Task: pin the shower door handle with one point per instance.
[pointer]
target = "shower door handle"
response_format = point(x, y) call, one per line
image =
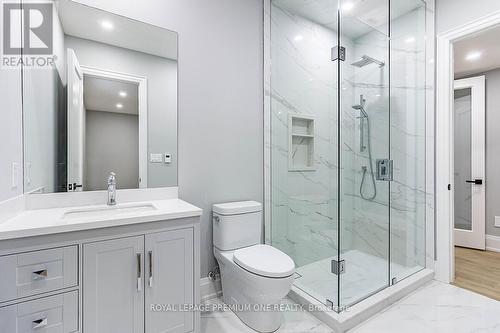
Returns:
point(475, 181)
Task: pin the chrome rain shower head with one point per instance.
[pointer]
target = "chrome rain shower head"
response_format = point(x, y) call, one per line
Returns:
point(366, 60)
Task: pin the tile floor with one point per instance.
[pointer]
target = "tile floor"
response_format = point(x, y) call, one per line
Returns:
point(436, 307)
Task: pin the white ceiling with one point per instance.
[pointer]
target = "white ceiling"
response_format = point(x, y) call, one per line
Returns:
point(85, 22)
point(101, 94)
point(487, 43)
point(365, 15)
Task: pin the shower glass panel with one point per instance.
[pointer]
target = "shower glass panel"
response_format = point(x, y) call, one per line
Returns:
point(365, 149)
point(347, 130)
point(408, 98)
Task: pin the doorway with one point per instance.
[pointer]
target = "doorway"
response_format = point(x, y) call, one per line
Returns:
point(467, 146)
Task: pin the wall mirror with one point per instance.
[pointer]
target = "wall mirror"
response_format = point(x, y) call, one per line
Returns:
point(108, 103)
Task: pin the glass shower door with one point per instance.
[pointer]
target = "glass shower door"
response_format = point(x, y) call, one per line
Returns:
point(365, 162)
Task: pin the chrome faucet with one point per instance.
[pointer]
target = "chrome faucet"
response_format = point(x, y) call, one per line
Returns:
point(112, 189)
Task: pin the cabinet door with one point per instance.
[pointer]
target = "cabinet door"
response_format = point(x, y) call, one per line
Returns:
point(113, 286)
point(169, 280)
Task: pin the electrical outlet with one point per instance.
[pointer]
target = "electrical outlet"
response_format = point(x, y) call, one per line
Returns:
point(497, 221)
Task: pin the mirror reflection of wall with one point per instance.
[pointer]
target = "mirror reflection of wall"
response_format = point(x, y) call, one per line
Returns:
point(111, 132)
point(113, 105)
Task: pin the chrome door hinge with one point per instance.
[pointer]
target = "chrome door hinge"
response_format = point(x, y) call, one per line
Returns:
point(338, 267)
point(385, 169)
point(338, 53)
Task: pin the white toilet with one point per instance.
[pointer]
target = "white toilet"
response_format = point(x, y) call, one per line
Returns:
point(255, 277)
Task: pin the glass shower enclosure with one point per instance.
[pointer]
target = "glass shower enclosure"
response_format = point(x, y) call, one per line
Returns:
point(347, 143)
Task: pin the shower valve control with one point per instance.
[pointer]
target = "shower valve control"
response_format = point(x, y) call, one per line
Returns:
point(384, 169)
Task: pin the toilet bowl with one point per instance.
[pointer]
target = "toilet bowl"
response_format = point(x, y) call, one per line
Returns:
point(255, 277)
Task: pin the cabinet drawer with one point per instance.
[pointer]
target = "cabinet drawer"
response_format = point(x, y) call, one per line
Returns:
point(54, 314)
point(31, 273)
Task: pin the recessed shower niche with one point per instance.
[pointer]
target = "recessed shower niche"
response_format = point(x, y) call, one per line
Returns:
point(300, 143)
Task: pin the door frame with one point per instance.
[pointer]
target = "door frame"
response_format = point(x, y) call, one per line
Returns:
point(141, 82)
point(445, 252)
point(469, 238)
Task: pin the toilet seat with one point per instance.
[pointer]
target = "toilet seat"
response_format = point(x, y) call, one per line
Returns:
point(264, 260)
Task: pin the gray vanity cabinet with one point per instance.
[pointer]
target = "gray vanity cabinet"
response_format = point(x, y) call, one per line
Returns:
point(113, 298)
point(169, 280)
point(123, 278)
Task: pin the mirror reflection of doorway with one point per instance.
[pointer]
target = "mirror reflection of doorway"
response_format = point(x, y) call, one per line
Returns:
point(106, 128)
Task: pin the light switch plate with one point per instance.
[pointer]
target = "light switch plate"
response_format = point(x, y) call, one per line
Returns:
point(156, 158)
point(497, 221)
point(168, 158)
point(15, 174)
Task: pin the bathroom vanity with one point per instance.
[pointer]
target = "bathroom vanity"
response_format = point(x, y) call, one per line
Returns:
point(99, 268)
point(100, 242)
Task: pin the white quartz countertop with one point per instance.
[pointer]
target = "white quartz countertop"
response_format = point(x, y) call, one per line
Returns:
point(38, 222)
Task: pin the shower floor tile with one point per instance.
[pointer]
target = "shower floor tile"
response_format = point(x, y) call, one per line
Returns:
point(364, 275)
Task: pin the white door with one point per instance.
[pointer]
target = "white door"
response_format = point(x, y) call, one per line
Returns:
point(113, 286)
point(76, 123)
point(169, 280)
point(469, 162)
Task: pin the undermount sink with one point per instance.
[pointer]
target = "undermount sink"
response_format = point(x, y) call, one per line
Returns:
point(108, 211)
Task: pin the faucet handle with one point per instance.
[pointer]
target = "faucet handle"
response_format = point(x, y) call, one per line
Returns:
point(112, 177)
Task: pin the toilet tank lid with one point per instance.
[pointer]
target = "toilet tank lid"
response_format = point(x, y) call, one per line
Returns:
point(240, 207)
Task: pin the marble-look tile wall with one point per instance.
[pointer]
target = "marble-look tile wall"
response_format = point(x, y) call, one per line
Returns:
point(304, 81)
point(398, 133)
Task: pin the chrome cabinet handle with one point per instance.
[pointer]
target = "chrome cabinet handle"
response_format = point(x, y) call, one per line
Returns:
point(39, 323)
point(139, 272)
point(150, 280)
point(41, 274)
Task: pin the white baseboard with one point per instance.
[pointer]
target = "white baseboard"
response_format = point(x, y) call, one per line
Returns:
point(492, 243)
point(210, 288)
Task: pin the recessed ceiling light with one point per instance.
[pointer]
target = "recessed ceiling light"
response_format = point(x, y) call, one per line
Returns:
point(107, 25)
point(119, 106)
point(410, 40)
point(347, 6)
point(298, 38)
point(474, 55)
point(122, 94)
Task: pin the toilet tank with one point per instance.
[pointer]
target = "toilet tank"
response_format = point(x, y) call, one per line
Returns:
point(237, 224)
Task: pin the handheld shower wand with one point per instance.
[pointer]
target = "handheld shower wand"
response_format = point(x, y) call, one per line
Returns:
point(364, 117)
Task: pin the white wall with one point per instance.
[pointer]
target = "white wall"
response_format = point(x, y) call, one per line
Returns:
point(452, 13)
point(220, 98)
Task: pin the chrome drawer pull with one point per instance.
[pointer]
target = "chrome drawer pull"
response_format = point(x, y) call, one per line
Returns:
point(139, 272)
point(37, 275)
point(150, 281)
point(40, 323)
